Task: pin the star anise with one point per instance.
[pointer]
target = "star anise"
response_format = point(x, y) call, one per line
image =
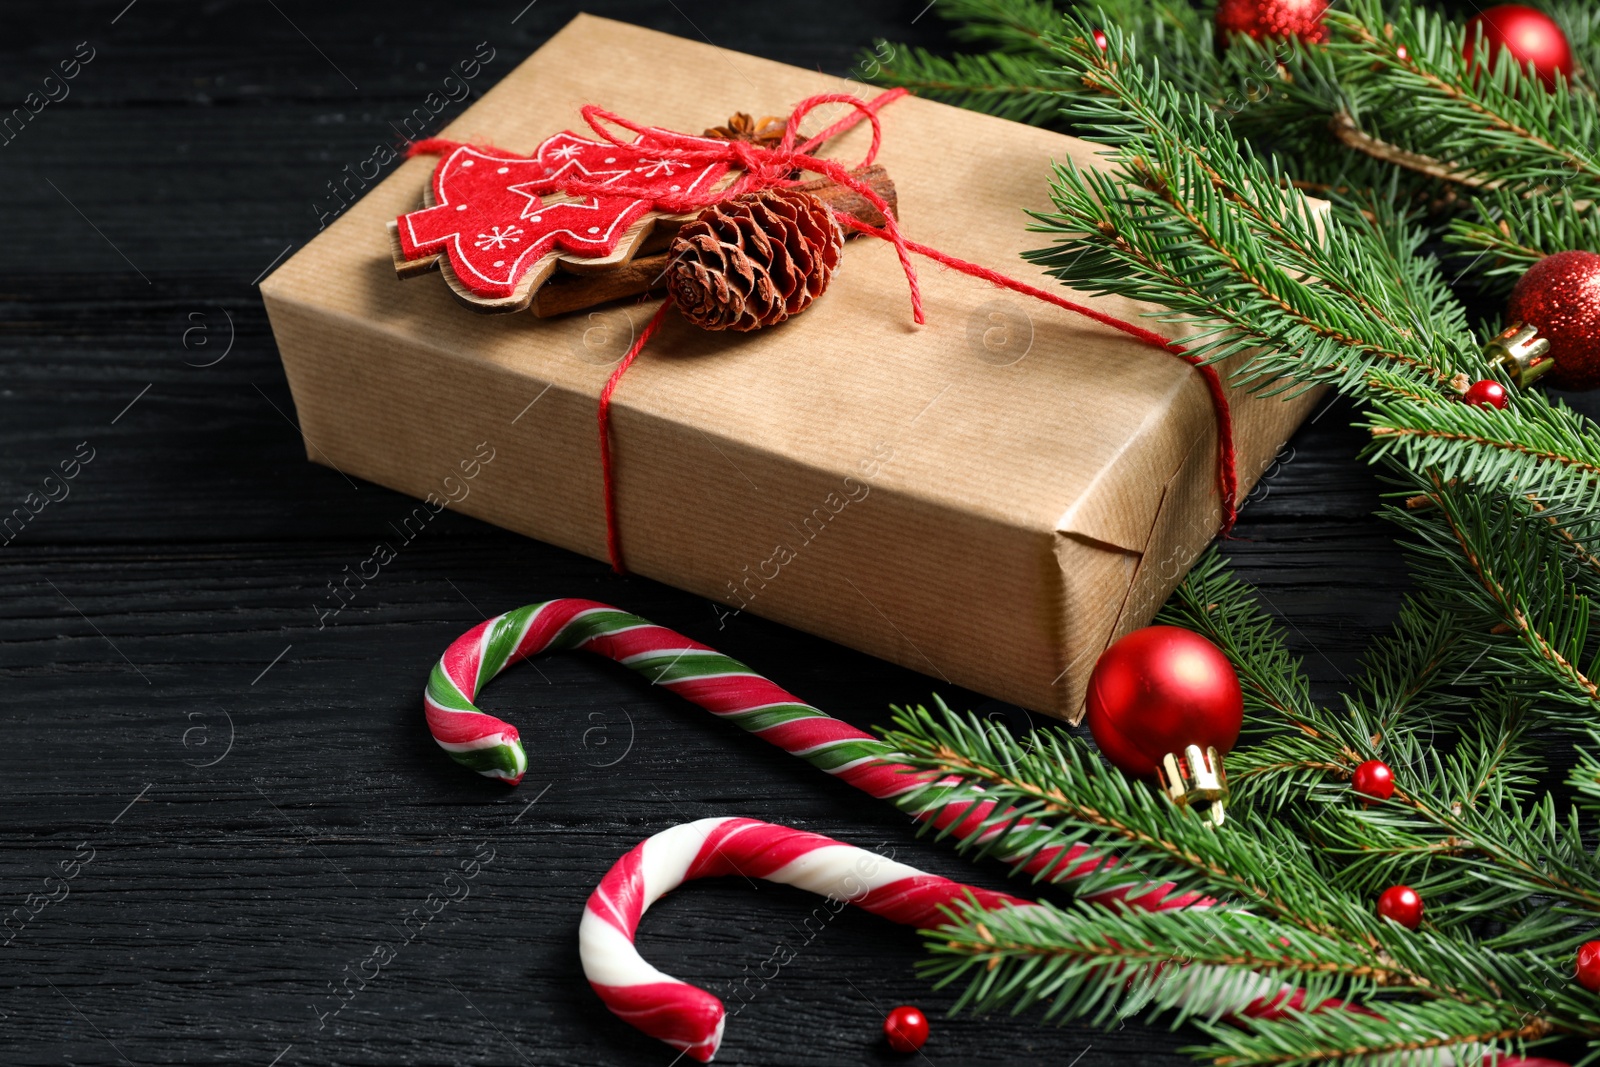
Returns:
point(767, 130)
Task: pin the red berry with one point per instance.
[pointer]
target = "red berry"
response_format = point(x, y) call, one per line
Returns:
point(1486, 394)
point(1589, 966)
point(905, 1028)
point(1403, 54)
point(1374, 779)
point(1402, 904)
point(1100, 41)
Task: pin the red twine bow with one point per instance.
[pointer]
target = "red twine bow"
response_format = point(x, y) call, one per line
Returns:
point(762, 167)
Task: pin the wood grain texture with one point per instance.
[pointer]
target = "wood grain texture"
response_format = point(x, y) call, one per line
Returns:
point(260, 795)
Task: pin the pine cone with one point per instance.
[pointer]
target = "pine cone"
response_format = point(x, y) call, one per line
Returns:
point(754, 260)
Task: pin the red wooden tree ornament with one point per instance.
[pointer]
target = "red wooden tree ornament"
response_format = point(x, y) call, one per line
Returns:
point(497, 225)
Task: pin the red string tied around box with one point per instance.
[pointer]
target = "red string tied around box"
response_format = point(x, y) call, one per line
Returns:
point(766, 168)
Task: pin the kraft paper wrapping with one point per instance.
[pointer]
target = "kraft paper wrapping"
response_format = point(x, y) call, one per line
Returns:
point(990, 498)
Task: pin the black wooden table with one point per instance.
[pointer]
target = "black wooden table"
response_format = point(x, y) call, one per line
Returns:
point(248, 802)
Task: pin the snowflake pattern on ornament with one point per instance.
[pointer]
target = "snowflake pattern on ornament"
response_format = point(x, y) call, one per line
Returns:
point(487, 204)
point(498, 236)
point(655, 168)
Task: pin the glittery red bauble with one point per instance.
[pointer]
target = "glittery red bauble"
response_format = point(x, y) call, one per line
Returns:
point(1589, 966)
point(1274, 18)
point(1158, 690)
point(1401, 903)
point(1530, 36)
point(1560, 295)
point(1374, 779)
point(1485, 394)
point(905, 1028)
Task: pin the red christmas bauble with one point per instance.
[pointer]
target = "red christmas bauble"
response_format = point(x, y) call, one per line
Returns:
point(1158, 690)
point(1589, 966)
point(1402, 904)
point(1529, 35)
point(1486, 394)
point(1373, 779)
point(1274, 18)
point(1100, 39)
point(1560, 295)
point(905, 1028)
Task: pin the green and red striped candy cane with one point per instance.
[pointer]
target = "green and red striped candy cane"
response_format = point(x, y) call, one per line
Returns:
point(720, 684)
point(729, 690)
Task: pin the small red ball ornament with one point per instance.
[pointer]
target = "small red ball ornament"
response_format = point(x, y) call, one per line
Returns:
point(1165, 701)
point(1402, 904)
point(1373, 779)
point(1530, 36)
point(1274, 18)
point(1558, 300)
point(1589, 966)
point(1486, 394)
point(905, 1028)
point(1100, 39)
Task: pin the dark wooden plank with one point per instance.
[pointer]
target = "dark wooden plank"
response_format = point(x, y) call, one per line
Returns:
point(262, 801)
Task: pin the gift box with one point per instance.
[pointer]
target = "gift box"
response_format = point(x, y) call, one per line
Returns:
point(990, 498)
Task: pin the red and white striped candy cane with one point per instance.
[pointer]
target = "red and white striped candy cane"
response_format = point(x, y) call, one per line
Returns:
point(689, 1018)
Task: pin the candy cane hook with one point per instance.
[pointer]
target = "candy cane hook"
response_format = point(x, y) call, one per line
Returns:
point(720, 684)
point(689, 1018)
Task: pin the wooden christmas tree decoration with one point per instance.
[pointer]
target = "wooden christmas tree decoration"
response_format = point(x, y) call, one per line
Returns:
point(498, 226)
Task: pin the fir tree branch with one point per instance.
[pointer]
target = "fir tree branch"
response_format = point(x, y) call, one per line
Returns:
point(1057, 781)
point(1473, 1032)
point(1088, 961)
point(1556, 631)
point(1271, 867)
point(1496, 126)
point(1345, 129)
point(1509, 233)
point(1019, 88)
point(1244, 277)
point(1012, 26)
